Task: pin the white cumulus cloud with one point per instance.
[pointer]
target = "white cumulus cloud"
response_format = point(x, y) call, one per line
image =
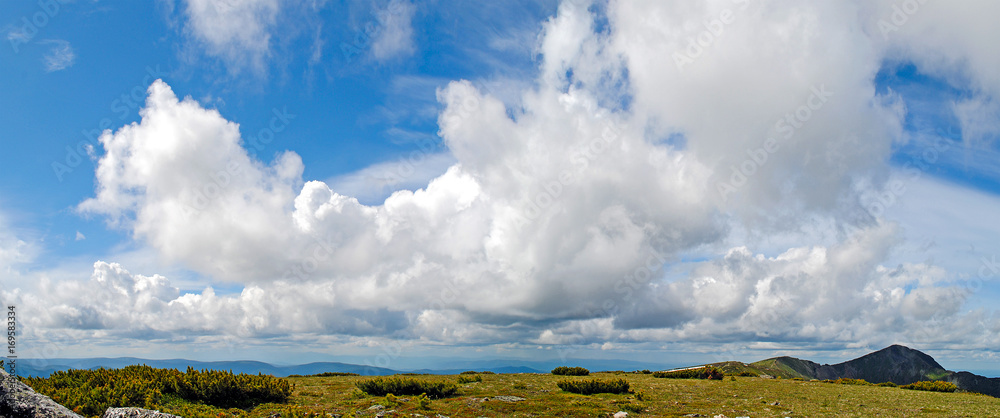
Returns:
point(553, 225)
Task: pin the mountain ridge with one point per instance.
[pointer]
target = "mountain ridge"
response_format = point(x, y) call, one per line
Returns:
point(897, 364)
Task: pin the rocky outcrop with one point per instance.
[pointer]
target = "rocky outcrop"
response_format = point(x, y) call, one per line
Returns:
point(135, 413)
point(17, 400)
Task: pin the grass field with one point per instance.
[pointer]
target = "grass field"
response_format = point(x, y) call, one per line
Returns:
point(744, 396)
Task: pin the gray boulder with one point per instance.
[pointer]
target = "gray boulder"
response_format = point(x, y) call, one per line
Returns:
point(135, 413)
point(17, 400)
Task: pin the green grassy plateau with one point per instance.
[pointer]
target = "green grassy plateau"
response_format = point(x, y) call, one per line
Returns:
point(538, 395)
point(744, 396)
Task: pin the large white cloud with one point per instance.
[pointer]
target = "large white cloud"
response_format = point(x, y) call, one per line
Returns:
point(553, 225)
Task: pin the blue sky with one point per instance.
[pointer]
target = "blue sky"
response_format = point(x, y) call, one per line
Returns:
point(335, 180)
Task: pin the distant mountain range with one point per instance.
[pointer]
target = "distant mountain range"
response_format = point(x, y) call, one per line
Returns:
point(35, 367)
point(897, 364)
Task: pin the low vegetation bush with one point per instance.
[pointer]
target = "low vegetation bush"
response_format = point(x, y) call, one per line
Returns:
point(627, 405)
point(325, 374)
point(423, 402)
point(707, 372)
point(887, 385)
point(935, 386)
point(592, 386)
point(640, 395)
point(91, 392)
point(465, 379)
point(747, 373)
point(570, 371)
point(846, 381)
point(381, 386)
point(469, 372)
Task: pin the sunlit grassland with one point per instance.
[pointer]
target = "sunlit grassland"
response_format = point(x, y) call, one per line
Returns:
point(744, 396)
point(538, 395)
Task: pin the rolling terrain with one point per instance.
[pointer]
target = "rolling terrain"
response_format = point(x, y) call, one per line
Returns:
point(897, 364)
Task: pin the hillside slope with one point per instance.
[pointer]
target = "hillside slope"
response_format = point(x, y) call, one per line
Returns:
point(897, 364)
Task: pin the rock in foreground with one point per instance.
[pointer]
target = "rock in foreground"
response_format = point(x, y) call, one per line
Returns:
point(135, 413)
point(19, 400)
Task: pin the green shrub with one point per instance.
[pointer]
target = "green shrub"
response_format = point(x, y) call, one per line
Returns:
point(570, 371)
point(846, 381)
point(423, 402)
point(887, 385)
point(381, 386)
point(935, 386)
point(707, 372)
point(332, 374)
point(592, 386)
point(90, 392)
point(747, 373)
point(640, 395)
point(465, 379)
point(632, 407)
point(469, 372)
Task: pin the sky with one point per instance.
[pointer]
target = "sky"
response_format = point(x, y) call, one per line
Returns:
point(388, 181)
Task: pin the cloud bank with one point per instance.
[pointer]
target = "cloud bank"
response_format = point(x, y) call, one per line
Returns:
point(656, 131)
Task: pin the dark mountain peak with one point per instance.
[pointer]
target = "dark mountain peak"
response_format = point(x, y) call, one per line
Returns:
point(901, 355)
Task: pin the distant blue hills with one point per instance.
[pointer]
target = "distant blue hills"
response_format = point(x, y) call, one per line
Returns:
point(45, 367)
